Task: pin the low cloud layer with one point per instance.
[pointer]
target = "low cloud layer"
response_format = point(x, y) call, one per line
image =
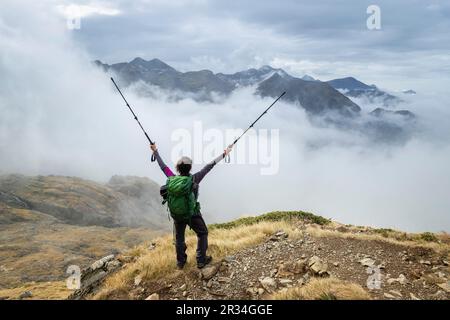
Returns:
point(60, 115)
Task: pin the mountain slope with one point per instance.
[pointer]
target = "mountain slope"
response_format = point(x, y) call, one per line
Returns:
point(288, 255)
point(81, 202)
point(352, 87)
point(50, 222)
point(315, 97)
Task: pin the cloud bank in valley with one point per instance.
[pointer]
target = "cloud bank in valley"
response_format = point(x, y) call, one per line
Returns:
point(60, 115)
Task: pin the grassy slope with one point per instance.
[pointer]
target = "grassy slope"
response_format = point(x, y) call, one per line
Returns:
point(50, 222)
point(36, 251)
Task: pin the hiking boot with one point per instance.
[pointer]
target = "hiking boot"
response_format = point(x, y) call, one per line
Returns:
point(207, 260)
point(180, 266)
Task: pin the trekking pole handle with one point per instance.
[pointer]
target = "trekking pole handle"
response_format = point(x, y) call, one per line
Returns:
point(153, 158)
point(152, 143)
point(227, 157)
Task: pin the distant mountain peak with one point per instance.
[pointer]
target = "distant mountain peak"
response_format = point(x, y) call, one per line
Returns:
point(266, 68)
point(137, 60)
point(154, 64)
point(348, 83)
point(307, 78)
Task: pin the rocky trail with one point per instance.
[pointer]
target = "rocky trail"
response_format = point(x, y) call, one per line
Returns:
point(412, 273)
point(279, 263)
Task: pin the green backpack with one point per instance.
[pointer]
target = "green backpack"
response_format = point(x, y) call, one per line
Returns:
point(180, 198)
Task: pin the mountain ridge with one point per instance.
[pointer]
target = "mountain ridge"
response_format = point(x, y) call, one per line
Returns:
point(325, 102)
point(204, 82)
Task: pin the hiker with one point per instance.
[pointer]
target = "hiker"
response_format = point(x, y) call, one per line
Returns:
point(195, 221)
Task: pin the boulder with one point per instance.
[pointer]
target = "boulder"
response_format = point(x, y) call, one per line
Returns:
point(441, 295)
point(367, 262)
point(285, 282)
point(291, 268)
point(426, 262)
point(413, 297)
point(445, 286)
point(396, 292)
point(269, 284)
point(102, 262)
point(92, 276)
point(209, 271)
point(279, 235)
point(252, 291)
point(113, 265)
point(137, 280)
point(153, 296)
point(224, 279)
point(92, 279)
point(401, 279)
point(25, 295)
point(317, 266)
point(389, 296)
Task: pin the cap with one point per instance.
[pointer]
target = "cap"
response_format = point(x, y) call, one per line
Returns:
point(184, 160)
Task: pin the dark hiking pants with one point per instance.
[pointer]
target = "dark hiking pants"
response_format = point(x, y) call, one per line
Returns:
point(198, 225)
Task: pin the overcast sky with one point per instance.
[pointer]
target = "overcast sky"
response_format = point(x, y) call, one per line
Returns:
point(325, 39)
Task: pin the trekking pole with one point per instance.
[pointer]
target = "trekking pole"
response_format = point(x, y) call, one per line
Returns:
point(227, 159)
point(135, 118)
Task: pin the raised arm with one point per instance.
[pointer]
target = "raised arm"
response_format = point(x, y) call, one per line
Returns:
point(161, 163)
point(202, 173)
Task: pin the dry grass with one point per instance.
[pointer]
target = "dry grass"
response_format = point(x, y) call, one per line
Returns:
point(160, 262)
point(42, 252)
point(291, 216)
point(56, 290)
point(323, 289)
point(411, 241)
point(439, 237)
